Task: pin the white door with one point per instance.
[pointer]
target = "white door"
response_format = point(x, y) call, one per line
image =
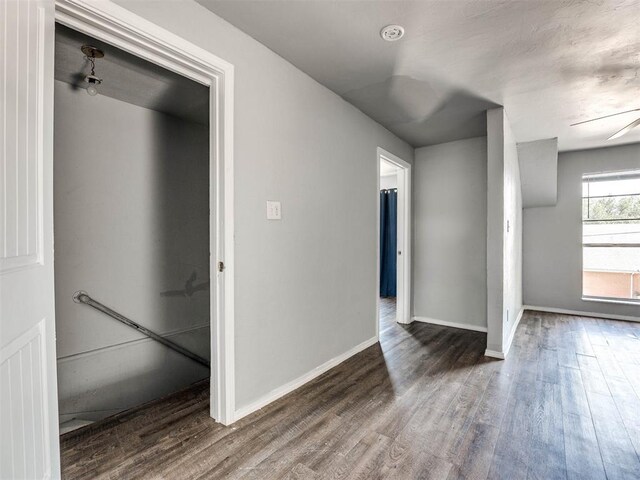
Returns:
point(28, 394)
point(402, 311)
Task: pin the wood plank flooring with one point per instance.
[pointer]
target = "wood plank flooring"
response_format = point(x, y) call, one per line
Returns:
point(423, 404)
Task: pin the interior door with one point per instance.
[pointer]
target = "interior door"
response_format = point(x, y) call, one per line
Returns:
point(28, 394)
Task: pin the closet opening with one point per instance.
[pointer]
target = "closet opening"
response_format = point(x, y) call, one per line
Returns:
point(132, 180)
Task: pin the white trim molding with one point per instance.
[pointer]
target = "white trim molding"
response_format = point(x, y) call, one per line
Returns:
point(300, 381)
point(494, 354)
point(444, 323)
point(121, 28)
point(578, 313)
point(507, 346)
point(615, 301)
point(403, 294)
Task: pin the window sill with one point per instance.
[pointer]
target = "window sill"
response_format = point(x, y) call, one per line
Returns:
point(611, 300)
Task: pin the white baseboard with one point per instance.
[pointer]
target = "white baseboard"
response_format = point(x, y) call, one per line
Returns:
point(494, 354)
point(507, 346)
point(298, 382)
point(626, 318)
point(444, 323)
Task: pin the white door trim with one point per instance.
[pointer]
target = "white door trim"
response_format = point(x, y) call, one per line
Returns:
point(127, 31)
point(403, 295)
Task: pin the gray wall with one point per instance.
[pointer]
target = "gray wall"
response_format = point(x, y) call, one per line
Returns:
point(131, 223)
point(553, 235)
point(450, 232)
point(305, 285)
point(539, 172)
point(504, 232)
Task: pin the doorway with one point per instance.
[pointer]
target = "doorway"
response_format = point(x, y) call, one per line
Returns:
point(118, 27)
point(393, 284)
point(131, 230)
point(26, 265)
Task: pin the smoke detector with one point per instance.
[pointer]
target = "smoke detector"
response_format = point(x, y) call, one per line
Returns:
point(391, 33)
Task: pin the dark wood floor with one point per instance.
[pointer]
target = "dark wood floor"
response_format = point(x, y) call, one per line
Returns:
point(424, 403)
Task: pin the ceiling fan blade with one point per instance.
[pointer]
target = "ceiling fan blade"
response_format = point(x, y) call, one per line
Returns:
point(626, 129)
point(606, 116)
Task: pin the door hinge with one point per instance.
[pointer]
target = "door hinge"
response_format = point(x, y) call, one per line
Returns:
point(221, 266)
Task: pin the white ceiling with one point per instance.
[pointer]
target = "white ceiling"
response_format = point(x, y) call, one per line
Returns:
point(549, 62)
point(387, 168)
point(129, 78)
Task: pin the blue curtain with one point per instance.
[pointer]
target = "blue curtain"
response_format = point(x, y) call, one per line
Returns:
point(388, 242)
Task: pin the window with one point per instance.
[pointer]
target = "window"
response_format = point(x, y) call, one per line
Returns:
point(611, 236)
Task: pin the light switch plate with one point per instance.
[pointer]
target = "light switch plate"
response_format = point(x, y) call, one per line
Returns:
point(274, 210)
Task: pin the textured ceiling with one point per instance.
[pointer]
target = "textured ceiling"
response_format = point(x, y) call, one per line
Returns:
point(129, 78)
point(550, 63)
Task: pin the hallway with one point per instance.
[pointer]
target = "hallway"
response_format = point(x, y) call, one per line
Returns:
point(424, 403)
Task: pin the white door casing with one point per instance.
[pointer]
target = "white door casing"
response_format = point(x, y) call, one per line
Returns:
point(403, 272)
point(123, 29)
point(129, 32)
point(29, 443)
point(28, 390)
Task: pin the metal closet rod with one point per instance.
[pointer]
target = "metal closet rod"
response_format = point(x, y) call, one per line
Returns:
point(83, 297)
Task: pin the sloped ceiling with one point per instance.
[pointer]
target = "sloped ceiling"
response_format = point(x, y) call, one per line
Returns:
point(129, 78)
point(549, 62)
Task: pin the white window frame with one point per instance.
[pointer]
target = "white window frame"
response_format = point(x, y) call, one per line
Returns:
point(596, 298)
